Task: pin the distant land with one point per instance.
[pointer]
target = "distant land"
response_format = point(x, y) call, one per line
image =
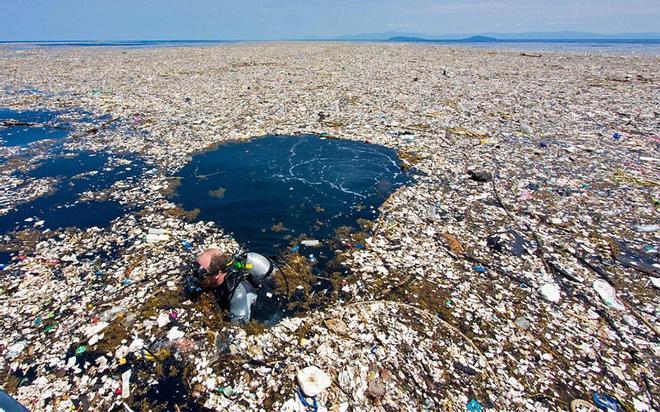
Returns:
point(558, 35)
point(473, 39)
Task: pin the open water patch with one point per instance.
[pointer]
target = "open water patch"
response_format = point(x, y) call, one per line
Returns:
point(5, 259)
point(22, 128)
point(271, 190)
point(75, 173)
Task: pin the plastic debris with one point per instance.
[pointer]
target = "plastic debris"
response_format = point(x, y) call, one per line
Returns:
point(16, 349)
point(474, 406)
point(125, 384)
point(607, 294)
point(228, 392)
point(175, 333)
point(606, 402)
point(480, 176)
point(655, 282)
point(313, 381)
point(647, 228)
point(479, 269)
point(152, 238)
point(163, 319)
point(550, 292)
point(572, 193)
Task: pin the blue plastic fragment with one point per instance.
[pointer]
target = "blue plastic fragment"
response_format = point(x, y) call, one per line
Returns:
point(126, 282)
point(616, 136)
point(359, 246)
point(479, 268)
point(308, 407)
point(650, 249)
point(474, 406)
point(295, 248)
point(607, 403)
point(187, 245)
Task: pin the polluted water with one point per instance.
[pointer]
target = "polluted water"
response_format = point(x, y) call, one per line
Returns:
point(75, 173)
point(21, 128)
point(290, 194)
point(529, 171)
point(272, 190)
point(65, 183)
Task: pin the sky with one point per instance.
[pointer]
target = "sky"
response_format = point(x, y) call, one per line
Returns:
point(289, 19)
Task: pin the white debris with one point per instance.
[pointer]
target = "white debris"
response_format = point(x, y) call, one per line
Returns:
point(313, 380)
point(163, 319)
point(550, 292)
point(125, 384)
point(175, 333)
point(607, 294)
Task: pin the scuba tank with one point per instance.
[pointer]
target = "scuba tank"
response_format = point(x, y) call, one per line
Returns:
point(247, 273)
point(259, 268)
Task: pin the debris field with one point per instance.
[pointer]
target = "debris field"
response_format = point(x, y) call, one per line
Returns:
point(518, 271)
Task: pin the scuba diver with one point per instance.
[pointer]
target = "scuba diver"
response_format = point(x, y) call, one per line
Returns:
point(238, 281)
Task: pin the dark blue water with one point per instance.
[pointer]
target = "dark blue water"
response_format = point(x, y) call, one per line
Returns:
point(23, 136)
point(43, 124)
point(77, 173)
point(5, 259)
point(272, 189)
point(31, 116)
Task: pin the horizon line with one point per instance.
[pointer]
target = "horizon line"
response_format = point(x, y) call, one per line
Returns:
point(339, 38)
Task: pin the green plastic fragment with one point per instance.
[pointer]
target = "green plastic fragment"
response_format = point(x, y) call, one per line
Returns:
point(50, 328)
point(81, 349)
point(228, 391)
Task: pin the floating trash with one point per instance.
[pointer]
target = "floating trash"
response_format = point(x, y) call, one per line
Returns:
point(76, 174)
point(21, 128)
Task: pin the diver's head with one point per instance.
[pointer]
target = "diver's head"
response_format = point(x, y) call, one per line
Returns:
point(212, 268)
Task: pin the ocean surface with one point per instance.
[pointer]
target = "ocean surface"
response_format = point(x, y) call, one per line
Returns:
point(269, 191)
point(609, 46)
point(75, 172)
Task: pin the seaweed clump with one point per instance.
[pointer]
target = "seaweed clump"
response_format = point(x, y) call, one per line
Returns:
point(409, 159)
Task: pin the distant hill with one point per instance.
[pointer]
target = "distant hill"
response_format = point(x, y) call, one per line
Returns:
point(472, 39)
point(559, 35)
point(480, 39)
